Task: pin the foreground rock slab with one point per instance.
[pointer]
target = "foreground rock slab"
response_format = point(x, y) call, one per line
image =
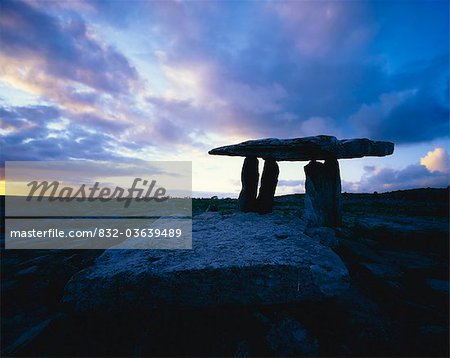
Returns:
point(241, 259)
point(308, 148)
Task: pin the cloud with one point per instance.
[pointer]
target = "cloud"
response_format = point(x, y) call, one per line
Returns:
point(290, 183)
point(322, 27)
point(318, 125)
point(437, 160)
point(412, 177)
point(102, 125)
point(61, 61)
point(41, 133)
point(412, 107)
point(65, 49)
point(369, 168)
point(299, 68)
point(18, 118)
point(64, 62)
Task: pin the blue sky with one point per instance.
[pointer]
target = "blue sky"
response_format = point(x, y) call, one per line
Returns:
point(149, 80)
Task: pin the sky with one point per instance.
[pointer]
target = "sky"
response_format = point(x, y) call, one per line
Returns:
point(134, 81)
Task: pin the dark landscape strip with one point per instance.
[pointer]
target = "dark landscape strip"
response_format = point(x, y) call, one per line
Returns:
point(99, 217)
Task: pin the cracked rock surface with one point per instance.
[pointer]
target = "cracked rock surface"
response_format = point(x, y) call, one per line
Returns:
point(239, 259)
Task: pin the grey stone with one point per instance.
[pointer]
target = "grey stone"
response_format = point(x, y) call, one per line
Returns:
point(323, 194)
point(235, 260)
point(27, 336)
point(434, 329)
point(438, 285)
point(27, 271)
point(269, 180)
point(325, 235)
point(288, 338)
point(212, 207)
point(307, 148)
point(242, 349)
point(382, 271)
point(410, 260)
point(360, 251)
point(249, 179)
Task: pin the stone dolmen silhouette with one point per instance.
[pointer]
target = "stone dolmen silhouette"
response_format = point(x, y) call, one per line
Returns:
point(323, 181)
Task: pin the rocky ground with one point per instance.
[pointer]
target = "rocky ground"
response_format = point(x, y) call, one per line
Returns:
point(377, 286)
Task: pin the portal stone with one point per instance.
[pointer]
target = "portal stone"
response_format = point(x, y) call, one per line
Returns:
point(323, 194)
point(249, 179)
point(269, 180)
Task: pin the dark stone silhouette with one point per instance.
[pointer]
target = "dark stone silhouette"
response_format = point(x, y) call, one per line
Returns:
point(249, 179)
point(323, 193)
point(269, 180)
point(308, 148)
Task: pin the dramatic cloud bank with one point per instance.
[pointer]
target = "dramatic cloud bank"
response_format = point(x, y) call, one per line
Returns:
point(171, 79)
point(437, 161)
point(433, 171)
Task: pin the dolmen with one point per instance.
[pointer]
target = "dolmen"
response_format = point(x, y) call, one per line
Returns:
point(323, 181)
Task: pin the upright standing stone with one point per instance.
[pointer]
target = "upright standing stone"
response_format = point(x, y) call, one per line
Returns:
point(323, 193)
point(269, 180)
point(249, 179)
